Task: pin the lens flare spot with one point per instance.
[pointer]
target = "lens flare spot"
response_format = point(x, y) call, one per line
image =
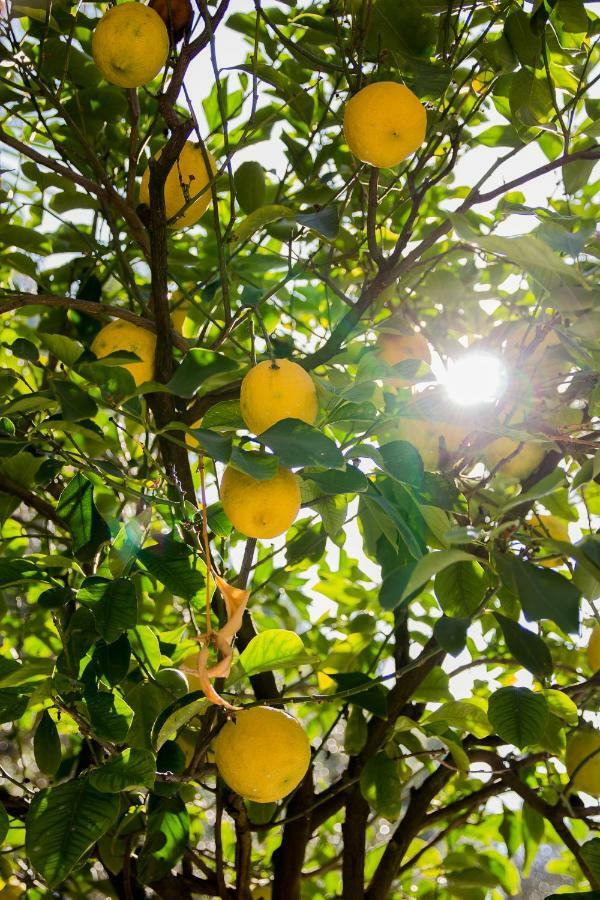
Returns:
point(475, 378)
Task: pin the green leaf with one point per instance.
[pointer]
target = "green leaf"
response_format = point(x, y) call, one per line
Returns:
point(451, 634)
point(76, 506)
point(325, 221)
point(147, 701)
point(460, 588)
point(4, 823)
point(166, 838)
point(346, 481)
point(404, 530)
point(510, 829)
point(46, 745)
point(64, 348)
point(212, 444)
point(176, 716)
point(260, 466)
point(543, 594)
point(392, 590)
point(429, 566)
point(196, 368)
point(113, 604)
point(356, 732)
point(462, 715)
point(590, 851)
point(527, 251)
point(524, 42)
point(381, 787)
point(75, 403)
point(572, 15)
point(63, 824)
point(373, 698)
point(110, 715)
point(12, 705)
point(131, 770)
point(145, 647)
point(526, 647)
point(299, 444)
point(258, 220)
point(24, 349)
point(562, 706)
point(273, 649)
point(113, 659)
point(403, 463)
point(173, 564)
point(518, 715)
point(333, 512)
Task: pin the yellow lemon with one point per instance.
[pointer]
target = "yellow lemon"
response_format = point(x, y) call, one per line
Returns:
point(384, 123)
point(554, 528)
point(274, 391)
point(260, 509)
point(130, 44)
point(519, 466)
point(396, 348)
point(187, 179)
point(522, 342)
point(263, 755)
point(580, 746)
point(122, 335)
point(593, 649)
point(430, 437)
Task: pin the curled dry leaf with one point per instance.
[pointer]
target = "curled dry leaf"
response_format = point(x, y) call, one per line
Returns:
point(236, 600)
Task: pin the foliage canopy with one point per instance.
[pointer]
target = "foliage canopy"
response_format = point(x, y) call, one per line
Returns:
point(425, 617)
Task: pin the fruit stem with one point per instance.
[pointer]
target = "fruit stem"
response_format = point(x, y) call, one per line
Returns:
point(205, 542)
point(265, 333)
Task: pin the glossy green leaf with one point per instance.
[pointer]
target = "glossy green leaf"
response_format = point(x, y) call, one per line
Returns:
point(273, 649)
point(46, 745)
point(518, 715)
point(53, 845)
point(130, 770)
point(113, 603)
point(526, 647)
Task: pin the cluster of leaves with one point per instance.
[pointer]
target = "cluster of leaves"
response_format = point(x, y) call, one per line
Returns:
point(395, 580)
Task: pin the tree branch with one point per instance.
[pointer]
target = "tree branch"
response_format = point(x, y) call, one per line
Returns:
point(109, 194)
point(89, 307)
point(354, 836)
point(32, 500)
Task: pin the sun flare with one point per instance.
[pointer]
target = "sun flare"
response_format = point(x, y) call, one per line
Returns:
point(475, 378)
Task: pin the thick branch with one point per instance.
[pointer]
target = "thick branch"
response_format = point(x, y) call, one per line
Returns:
point(387, 868)
point(30, 499)
point(10, 301)
point(354, 834)
point(565, 160)
point(288, 859)
point(108, 194)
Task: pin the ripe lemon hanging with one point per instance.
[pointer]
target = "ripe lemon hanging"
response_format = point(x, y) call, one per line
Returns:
point(519, 466)
point(581, 746)
point(260, 509)
point(274, 391)
point(263, 755)
point(384, 123)
point(593, 650)
point(122, 335)
point(130, 44)
point(398, 347)
point(555, 529)
point(188, 178)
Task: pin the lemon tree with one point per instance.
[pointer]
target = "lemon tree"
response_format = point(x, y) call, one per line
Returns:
point(299, 462)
